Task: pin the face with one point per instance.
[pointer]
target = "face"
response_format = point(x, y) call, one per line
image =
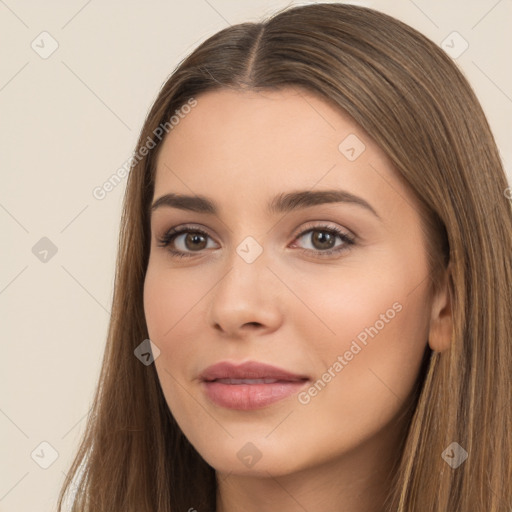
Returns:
point(332, 289)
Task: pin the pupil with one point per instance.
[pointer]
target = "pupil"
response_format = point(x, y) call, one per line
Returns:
point(322, 237)
point(194, 238)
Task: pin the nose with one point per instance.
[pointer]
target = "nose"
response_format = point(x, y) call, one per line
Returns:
point(246, 298)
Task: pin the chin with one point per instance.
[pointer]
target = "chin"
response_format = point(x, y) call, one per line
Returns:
point(251, 459)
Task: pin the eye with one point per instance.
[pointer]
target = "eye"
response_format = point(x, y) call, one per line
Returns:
point(323, 240)
point(192, 240)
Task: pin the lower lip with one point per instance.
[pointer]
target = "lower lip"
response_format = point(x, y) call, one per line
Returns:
point(246, 397)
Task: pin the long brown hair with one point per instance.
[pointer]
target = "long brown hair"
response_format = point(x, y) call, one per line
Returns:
point(415, 103)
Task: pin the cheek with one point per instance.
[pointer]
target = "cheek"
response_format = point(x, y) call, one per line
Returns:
point(370, 341)
point(340, 303)
point(174, 308)
point(169, 300)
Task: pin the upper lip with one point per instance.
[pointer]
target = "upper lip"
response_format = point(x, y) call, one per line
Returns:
point(248, 370)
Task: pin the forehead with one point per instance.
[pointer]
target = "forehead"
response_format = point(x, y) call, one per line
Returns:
point(274, 120)
point(251, 145)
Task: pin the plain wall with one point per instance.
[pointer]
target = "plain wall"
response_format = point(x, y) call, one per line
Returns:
point(68, 122)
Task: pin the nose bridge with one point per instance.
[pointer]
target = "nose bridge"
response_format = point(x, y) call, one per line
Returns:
point(246, 263)
point(244, 294)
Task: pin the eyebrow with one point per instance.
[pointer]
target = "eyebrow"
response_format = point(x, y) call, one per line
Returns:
point(282, 203)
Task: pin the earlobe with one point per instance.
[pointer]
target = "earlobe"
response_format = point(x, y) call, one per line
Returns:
point(441, 320)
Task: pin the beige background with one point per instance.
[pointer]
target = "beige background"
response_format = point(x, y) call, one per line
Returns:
point(68, 122)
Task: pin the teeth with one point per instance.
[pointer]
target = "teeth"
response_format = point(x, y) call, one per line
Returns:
point(246, 381)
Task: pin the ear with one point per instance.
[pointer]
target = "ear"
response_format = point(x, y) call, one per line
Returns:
point(441, 320)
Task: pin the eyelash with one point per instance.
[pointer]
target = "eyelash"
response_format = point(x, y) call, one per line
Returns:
point(348, 240)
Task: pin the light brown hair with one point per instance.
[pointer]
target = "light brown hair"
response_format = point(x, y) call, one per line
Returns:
point(415, 103)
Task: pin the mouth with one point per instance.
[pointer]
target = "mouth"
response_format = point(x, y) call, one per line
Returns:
point(249, 370)
point(247, 381)
point(250, 385)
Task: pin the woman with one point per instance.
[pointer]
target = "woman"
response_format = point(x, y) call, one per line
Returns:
point(316, 239)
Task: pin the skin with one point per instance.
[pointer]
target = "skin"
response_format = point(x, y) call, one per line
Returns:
point(290, 308)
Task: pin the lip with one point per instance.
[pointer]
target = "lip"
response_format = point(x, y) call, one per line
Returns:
point(248, 370)
point(223, 383)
